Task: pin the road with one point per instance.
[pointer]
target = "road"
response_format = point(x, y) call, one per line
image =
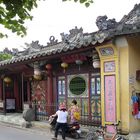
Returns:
point(12, 133)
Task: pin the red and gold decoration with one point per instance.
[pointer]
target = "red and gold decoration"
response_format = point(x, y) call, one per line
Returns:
point(74, 58)
point(64, 65)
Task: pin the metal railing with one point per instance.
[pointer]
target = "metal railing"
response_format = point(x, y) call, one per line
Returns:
point(43, 111)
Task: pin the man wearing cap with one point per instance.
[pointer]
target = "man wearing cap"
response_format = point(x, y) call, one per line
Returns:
point(62, 116)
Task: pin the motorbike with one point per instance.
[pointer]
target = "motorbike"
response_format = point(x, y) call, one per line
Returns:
point(72, 130)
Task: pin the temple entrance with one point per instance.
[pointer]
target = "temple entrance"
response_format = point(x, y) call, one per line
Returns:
point(85, 89)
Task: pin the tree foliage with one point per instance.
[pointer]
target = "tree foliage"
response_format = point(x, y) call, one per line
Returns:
point(85, 2)
point(13, 14)
point(5, 56)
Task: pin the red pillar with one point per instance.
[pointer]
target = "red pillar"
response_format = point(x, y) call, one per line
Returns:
point(49, 89)
point(16, 94)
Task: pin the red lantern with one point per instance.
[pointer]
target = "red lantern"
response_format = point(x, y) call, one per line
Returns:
point(64, 66)
point(48, 66)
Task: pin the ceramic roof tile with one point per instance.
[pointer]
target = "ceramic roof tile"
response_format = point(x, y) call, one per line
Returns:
point(76, 39)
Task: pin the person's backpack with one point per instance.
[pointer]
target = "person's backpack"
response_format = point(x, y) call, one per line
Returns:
point(77, 116)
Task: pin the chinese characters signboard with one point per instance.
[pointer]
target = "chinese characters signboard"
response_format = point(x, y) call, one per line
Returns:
point(110, 98)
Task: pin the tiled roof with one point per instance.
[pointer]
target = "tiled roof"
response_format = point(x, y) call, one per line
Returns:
point(48, 50)
point(76, 39)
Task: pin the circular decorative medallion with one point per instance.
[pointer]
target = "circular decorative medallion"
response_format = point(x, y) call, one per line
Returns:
point(77, 85)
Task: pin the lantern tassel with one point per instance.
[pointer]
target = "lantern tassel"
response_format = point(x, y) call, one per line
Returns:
point(64, 70)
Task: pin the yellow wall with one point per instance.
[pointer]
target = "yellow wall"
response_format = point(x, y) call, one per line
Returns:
point(124, 86)
point(103, 59)
point(134, 64)
point(127, 60)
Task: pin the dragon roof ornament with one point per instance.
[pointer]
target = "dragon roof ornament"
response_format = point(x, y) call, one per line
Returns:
point(104, 24)
point(74, 36)
point(32, 47)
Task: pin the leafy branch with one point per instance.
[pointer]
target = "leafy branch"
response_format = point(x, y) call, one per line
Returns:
point(87, 3)
point(13, 14)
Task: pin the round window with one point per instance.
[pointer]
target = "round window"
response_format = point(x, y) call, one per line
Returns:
point(77, 85)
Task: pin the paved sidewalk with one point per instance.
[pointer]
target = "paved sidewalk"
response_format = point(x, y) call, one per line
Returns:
point(12, 118)
point(16, 120)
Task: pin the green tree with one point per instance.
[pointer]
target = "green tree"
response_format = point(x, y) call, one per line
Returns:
point(85, 2)
point(5, 56)
point(14, 13)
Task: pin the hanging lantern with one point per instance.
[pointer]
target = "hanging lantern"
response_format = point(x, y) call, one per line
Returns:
point(37, 71)
point(79, 62)
point(7, 80)
point(37, 74)
point(96, 60)
point(64, 66)
point(96, 63)
point(48, 66)
point(37, 77)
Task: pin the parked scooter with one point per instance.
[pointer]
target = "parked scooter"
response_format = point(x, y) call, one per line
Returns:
point(73, 130)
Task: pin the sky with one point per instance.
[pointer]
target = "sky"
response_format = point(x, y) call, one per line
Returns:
point(53, 17)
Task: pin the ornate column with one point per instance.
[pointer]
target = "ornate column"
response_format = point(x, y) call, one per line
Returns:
point(49, 88)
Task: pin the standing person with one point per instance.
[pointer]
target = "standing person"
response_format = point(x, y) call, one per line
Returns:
point(74, 112)
point(62, 115)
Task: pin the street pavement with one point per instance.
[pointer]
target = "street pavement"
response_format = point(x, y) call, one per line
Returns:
point(16, 121)
point(11, 133)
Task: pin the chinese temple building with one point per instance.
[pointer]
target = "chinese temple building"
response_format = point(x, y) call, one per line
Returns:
point(101, 70)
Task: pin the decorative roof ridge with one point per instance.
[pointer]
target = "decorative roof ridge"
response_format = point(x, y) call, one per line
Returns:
point(108, 28)
point(103, 23)
point(133, 16)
